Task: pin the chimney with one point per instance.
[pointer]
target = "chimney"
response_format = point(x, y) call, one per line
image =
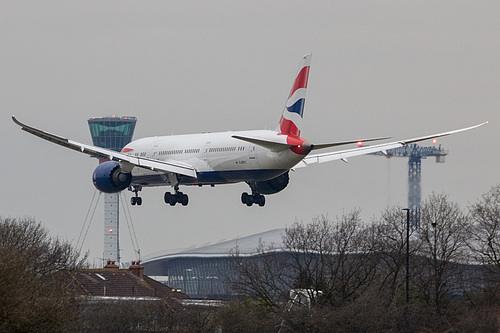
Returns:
point(137, 269)
point(111, 264)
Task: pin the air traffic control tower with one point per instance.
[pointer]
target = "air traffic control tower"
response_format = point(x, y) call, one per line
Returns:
point(112, 133)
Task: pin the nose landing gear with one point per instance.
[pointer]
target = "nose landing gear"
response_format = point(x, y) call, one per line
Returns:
point(136, 200)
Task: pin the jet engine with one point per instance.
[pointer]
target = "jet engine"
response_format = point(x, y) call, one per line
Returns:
point(108, 177)
point(271, 186)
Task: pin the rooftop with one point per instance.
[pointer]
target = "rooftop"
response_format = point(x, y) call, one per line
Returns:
point(246, 246)
point(114, 283)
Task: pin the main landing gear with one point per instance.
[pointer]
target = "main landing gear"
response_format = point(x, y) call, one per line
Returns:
point(254, 198)
point(136, 200)
point(177, 197)
point(172, 199)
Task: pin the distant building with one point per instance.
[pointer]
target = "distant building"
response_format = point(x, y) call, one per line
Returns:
point(200, 272)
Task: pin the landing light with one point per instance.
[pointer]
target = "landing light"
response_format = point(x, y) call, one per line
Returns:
point(434, 141)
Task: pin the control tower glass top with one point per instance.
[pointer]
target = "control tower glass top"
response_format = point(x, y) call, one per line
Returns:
point(112, 132)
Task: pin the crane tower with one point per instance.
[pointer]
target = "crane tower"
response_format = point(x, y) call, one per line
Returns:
point(415, 154)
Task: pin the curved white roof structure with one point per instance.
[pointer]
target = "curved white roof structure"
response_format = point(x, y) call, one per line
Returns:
point(247, 246)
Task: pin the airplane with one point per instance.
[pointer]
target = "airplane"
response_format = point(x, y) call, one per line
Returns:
point(260, 158)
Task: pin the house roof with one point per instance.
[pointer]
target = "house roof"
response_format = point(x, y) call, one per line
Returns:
point(116, 283)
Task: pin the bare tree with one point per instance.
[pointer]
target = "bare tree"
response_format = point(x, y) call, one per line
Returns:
point(265, 276)
point(352, 265)
point(485, 229)
point(354, 273)
point(443, 250)
point(390, 245)
point(35, 289)
point(332, 260)
point(309, 244)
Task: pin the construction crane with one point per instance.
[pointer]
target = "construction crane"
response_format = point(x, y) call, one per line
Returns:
point(415, 153)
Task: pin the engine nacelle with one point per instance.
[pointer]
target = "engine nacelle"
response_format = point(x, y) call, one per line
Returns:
point(271, 186)
point(108, 177)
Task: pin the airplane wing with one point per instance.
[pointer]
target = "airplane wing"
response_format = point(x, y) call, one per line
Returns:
point(344, 154)
point(127, 161)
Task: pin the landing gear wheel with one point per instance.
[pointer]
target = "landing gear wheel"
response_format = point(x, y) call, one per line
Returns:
point(170, 199)
point(173, 200)
point(139, 201)
point(261, 200)
point(183, 199)
point(244, 197)
point(167, 197)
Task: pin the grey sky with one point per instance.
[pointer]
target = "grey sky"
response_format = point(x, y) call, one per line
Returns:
point(398, 68)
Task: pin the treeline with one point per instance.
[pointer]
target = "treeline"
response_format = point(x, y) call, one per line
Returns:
point(345, 275)
point(36, 292)
point(330, 275)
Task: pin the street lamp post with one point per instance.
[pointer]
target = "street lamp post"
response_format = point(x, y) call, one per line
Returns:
point(407, 255)
point(407, 265)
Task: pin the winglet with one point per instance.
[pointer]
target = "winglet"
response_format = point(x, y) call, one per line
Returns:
point(441, 134)
point(41, 134)
point(17, 121)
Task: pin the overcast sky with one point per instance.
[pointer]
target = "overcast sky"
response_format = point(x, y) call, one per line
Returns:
point(379, 68)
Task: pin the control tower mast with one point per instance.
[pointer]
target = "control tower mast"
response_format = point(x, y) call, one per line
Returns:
point(415, 153)
point(112, 133)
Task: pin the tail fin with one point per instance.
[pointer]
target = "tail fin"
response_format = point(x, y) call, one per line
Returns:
point(291, 119)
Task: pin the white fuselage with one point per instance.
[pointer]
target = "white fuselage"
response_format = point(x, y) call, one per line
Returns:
point(217, 157)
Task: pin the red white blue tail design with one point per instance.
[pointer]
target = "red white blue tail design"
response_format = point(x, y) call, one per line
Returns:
point(291, 119)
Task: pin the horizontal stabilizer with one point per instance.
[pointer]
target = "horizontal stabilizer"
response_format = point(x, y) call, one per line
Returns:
point(271, 145)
